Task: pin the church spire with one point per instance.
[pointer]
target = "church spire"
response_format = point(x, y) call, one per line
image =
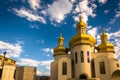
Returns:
point(60, 40)
point(81, 26)
point(60, 49)
point(104, 37)
point(105, 46)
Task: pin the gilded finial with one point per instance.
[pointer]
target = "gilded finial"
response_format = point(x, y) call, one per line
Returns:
point(103, 31)
point(60, 40)
point(80, 18)
point(61, 36)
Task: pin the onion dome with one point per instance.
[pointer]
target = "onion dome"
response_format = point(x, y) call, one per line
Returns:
point(105, 46)
point(60, 49)
point(82, 36)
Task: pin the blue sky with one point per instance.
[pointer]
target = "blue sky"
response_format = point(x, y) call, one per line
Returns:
point(29, 28)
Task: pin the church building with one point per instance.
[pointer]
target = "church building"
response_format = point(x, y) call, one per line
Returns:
point(83, 60)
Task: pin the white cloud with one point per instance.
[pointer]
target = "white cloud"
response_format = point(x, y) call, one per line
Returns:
point(28, 62)
point(59, 9)
point(20, 42)
point(42, 73)
point(35, 63)
point(89, 27)
point(34, 4)
point(106, 11)
point(112, 21)
point(102, 1)
point(44, 12)
point(115, 39)
point(40, 41)
point(93, 31)
point(117, 14)
point(47, 50)
point(73, 1)
point(13, 50)
point(85, 8)
point(29, 15)
point(34, 26)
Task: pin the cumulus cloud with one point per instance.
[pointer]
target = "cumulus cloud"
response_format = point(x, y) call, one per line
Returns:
point(29, 15)
point(115, 39)
point(112, 21)
point(59, 9)
point(116, 16)
point(106, 11)
point(102, 1)
point(36, 63)
point(93, 31)
point(34, 4)
point(27, 62)
point(42, 73)
point(85, 8)
point(47, 50)
point(13, 50)
point(34, 26)
point(40, 41)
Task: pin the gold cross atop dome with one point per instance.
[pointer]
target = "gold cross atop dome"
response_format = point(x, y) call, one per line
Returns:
point(103, 31)
point(61, 40)
point(81, 26)
point(61, 37)
point(81, 23)
point(80, 18)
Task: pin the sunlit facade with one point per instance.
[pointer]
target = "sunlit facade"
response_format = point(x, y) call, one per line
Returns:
point(85, 61)
point(7, 68)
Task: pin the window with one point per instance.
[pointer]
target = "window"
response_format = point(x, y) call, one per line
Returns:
point(82, 56)
point(14, 74)
point(117, 65)
point(0, 73)
point(88, 57)
point(76, 57)
point(102, 68)
point(64, 68)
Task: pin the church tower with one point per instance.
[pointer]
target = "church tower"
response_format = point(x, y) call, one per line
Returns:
point(105, 46)
point(82, 45)
point(83, 62)
point(60, 49)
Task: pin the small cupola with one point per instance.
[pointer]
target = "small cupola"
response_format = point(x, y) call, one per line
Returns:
point(60, 49)
point(105, 46)
point(82, 37)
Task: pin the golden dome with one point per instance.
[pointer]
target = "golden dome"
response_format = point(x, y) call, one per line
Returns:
point(60, 49)
point(82, 38)
point(105, 47)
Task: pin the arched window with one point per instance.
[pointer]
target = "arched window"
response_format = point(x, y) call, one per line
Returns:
point(88, 57)
point(83, 76)
point(102, 68)
point(76, 57)
point(82, 56)
point(64, 68)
